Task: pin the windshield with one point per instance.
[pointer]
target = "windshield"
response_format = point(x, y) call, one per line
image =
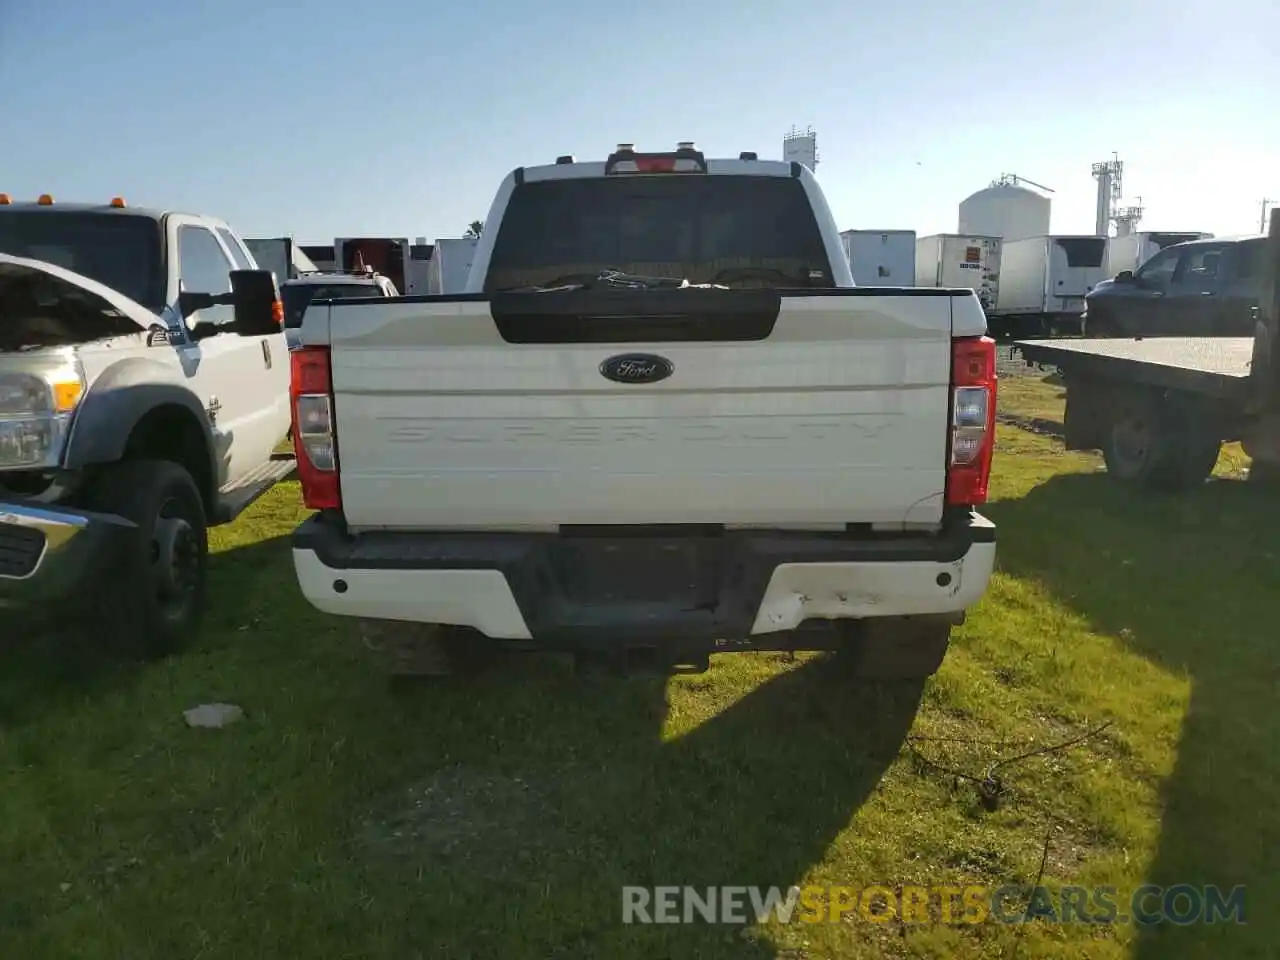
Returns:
point(118, 250)
point(730, 229)
point(296, 296)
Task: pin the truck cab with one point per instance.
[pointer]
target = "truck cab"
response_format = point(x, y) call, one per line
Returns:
point(1199, 288)
point(143, 369)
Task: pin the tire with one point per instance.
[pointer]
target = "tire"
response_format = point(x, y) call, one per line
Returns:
point(156, 588)
point(1160, 445)
point(893, 648)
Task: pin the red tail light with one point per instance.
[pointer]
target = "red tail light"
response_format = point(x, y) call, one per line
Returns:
point(656, 164)
point(973, 420)
point(315, 440)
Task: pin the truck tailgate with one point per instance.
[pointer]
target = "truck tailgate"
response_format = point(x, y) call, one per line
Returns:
point(808, 410)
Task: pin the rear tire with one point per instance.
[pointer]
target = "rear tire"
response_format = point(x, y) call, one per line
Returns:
point(893, 648)
point(155, 589)
point(1160, 444)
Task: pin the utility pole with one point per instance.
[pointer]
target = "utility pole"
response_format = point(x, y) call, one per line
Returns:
point(1267, 204)
point(1266, 347)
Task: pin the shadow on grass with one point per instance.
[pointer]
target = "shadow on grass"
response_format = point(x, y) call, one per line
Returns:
point(48, 660)
point(538, 834)
point(498, 816)
point(1193, 584)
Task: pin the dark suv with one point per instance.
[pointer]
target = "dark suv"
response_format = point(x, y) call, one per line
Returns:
point(1202, 288)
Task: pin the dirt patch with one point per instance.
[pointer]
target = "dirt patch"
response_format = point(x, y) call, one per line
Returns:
point(1038, 425)
point(1072, 844)
point(485, 822)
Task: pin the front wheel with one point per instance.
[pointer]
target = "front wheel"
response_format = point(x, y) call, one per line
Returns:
point(156, 588)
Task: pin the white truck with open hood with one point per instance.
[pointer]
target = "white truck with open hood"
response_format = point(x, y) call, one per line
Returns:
point(143, 389)
point(661, 417)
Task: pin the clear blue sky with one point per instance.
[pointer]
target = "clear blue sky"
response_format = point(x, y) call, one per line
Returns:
point(400, 118)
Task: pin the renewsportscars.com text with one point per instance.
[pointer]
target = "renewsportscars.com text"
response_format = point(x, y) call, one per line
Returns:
point(1180, 905)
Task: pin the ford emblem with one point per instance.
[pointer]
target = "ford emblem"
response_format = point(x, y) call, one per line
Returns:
point(636, 368)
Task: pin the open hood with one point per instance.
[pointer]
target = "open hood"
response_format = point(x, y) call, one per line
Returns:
point(43, 305)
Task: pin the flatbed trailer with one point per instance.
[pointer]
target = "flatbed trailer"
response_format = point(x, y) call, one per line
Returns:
point(1214, 366)
point(1160, 408)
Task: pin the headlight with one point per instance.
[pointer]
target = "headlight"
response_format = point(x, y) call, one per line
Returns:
point(36, 406)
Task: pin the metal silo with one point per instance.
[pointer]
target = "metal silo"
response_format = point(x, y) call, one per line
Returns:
point(1005, 210)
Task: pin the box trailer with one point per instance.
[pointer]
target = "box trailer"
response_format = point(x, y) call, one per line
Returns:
point(388, 256)
point(451, 264)
point(281, 256)
point(1131, 252)
point(1046, 278)
point(417, 272)
point(321, 256)
point(881, 258)
point(961, 260)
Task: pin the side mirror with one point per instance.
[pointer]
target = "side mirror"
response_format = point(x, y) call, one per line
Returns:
point(255, 299)
point(1124, 276)
point(189, 302)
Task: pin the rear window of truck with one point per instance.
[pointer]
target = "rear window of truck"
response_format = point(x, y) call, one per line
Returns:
point(696, 226)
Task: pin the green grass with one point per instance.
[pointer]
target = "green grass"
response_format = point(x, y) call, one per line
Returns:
point(500, 817)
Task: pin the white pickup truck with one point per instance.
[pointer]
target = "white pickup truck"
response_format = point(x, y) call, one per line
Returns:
point(661, 418)
point(144, 385)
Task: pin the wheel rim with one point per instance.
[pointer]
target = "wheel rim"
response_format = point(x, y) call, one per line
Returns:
point(175, 561)
point(1131, 443)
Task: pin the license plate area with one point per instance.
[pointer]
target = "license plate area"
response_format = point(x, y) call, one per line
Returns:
point(685, 572)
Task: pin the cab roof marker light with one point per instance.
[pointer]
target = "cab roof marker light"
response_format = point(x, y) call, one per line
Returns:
point(45, 200)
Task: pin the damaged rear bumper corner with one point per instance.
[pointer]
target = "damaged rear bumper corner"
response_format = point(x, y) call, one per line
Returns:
point(859, 590)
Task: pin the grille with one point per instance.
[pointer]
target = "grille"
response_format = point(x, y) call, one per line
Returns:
point(20, 549)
